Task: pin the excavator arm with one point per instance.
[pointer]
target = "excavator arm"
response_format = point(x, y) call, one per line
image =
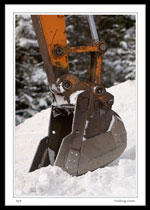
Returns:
point(84, 132)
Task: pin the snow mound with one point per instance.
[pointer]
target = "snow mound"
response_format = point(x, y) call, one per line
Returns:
point(117, 179)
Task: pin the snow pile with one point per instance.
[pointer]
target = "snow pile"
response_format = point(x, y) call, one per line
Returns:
point(117, 179)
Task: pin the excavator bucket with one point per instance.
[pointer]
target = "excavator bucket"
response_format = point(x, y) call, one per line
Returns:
point(93, 142)
point(84, 132)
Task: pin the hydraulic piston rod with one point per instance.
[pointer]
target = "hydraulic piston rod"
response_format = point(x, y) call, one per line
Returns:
point(93, 28)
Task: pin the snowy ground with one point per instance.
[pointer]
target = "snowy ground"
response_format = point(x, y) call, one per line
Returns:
point(117, 179)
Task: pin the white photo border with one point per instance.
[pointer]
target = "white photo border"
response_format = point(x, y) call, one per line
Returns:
point(96, 9)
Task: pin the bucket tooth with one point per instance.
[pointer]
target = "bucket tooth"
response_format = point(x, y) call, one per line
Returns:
point(41, 158)
point(59, 126)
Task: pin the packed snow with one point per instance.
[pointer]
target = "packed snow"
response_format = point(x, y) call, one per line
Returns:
point(117, 179)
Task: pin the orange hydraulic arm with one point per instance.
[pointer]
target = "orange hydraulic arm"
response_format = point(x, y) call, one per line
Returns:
point(52, 38)
point(53, 30)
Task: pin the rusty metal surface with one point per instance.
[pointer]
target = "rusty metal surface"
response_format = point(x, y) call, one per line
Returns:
point(95, 69)
point(76, 84)
point(54, 29)
point(43, 49)
point(51, 35)
point(79, 134)
point(100, 47)
point(49, 31)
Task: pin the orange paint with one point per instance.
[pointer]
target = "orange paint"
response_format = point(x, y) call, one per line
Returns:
point(80, 49)
point(98, 69)
point(54, 31)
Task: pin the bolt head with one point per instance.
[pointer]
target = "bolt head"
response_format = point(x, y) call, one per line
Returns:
point(103, 47)
point(67, 85)
point(59, 51)
point(99, 91)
